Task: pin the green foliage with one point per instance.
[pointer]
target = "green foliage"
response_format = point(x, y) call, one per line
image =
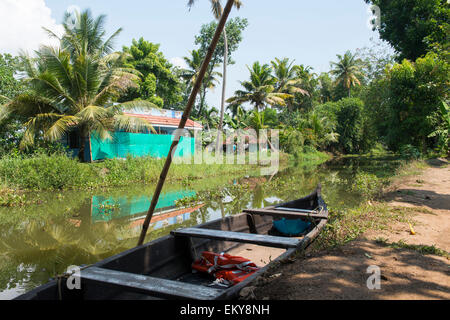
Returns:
point(9, 85)
point(350, 124)
point(41, 172)
point(59, 172)
point(260, 89)
point(290, 79)
point(414, 95)
point(189, 75)
point(234, 29)
point(347, 71)
point(159, 84)
point(348, 129)
point(408, 151)
point(326, 87)
point(367, 185)
point(412, 27)
point(291, 140)
point(442, 133)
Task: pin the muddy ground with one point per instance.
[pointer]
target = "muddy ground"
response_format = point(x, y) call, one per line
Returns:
point(342, 273)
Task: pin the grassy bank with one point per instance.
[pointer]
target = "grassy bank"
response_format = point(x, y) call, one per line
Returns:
point(59, 172)
point(345, 225)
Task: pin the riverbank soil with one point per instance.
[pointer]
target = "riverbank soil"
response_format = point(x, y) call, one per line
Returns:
point(405, 272)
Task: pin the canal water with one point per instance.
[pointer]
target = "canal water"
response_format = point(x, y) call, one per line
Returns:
point(62, 229)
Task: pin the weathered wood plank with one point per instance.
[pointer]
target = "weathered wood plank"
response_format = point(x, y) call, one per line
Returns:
point(259, 239)
point(296, 210)
point(156, 287)
point(285, 213)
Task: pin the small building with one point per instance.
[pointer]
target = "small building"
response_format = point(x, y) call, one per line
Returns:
point(147, 143)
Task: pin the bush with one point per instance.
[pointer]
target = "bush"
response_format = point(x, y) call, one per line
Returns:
point(350, 125)
point(409, 152)
point(43, 172)
point(367, 185)
point(415, 92)
point(291, 140)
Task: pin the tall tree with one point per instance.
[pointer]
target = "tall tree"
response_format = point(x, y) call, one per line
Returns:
point(190, 75)
point(10, 130)
point(260, 90)
point(9, 85)
point(347, 70)
point(287, 79)
point(414, 96)
point(75, 86)
point(159, 83)
point(325, 87)
point(217, 10)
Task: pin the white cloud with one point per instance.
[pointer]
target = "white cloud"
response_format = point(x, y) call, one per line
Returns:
point(21, 23)
point(179, 62)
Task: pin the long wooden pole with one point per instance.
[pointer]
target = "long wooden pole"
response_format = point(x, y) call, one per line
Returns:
point(184, 118)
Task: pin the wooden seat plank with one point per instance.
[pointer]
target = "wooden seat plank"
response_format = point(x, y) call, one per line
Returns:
point(259, 239)
point(286, 213)
point(156, 287)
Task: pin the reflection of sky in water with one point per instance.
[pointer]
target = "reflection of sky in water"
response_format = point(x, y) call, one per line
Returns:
point(273, 200)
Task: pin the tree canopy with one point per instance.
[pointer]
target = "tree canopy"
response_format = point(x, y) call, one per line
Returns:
point(159, 84)
point(412, 27)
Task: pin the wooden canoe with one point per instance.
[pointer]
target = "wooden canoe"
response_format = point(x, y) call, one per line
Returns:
point(161, 269)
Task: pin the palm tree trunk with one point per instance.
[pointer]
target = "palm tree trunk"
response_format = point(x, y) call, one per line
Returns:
point(83, 138)
point(224, 85)
point(81, 150)
point(202, 102)
point(184, 118)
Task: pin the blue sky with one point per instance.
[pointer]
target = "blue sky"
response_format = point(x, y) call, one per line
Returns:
point(311, 32)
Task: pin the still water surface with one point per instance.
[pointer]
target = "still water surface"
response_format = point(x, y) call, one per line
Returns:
point(79, 227)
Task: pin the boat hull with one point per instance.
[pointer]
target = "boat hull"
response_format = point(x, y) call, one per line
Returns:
point(169, 259)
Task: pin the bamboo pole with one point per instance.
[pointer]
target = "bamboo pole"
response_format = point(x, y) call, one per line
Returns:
point(184, 118)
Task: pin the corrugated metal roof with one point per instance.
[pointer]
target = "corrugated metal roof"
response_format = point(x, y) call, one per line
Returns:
point(158, 120)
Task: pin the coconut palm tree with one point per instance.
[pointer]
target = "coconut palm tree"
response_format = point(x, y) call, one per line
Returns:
point(210, 117)
point(260, 90)
point(194, 63)
point(74, 87)
point(287, 79)
point(217, 10)
point(347, 70)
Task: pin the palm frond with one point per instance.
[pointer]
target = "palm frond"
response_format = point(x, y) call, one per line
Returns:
point(132, 123)
point(60, 127)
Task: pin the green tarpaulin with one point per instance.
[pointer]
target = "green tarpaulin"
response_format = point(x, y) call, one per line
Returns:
point(125, 144)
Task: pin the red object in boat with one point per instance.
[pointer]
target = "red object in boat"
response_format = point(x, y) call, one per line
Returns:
point(225, 268)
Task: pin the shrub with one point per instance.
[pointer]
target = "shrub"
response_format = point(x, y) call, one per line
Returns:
point(367, 185)
point(291, 140)
point(409, 152)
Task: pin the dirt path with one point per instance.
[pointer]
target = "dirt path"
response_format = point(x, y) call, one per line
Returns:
point(405, 273)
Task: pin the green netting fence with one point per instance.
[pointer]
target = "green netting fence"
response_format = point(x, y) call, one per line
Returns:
point(125, 144)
